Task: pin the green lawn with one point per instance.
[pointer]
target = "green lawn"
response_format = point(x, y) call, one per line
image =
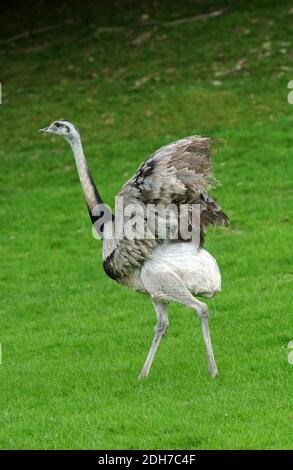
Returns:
point(73, 341)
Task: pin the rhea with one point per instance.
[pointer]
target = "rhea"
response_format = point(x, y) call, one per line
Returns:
point(167, 270)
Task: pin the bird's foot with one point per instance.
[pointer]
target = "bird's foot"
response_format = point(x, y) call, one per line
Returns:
point(143, 374)
point(214, 373)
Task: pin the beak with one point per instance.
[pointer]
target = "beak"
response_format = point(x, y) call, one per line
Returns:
point(45, 130)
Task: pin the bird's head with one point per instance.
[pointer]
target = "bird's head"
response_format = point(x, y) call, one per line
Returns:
point(63, 128)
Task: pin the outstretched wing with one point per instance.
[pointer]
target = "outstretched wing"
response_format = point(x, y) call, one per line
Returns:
point(179, 173)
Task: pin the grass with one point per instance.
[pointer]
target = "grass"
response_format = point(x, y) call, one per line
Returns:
point(73, 341)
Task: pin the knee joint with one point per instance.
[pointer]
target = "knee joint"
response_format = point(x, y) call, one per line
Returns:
point(162, 326)
point(203, 311)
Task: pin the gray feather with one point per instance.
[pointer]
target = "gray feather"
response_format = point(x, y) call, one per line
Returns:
point(178, 173)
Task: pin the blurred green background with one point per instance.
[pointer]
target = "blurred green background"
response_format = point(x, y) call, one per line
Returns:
point(72, 340)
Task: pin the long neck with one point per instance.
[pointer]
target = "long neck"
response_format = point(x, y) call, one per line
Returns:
point(97, 210)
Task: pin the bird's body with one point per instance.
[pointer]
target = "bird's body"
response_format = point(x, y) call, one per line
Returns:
point(176, 174)
point(194, 266)
point(172, 269)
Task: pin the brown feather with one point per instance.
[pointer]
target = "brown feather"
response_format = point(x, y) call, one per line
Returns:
point(179, 173)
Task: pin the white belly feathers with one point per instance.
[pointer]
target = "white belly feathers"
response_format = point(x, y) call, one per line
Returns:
point(195, 267)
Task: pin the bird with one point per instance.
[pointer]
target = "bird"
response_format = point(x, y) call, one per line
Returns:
point(166, 269)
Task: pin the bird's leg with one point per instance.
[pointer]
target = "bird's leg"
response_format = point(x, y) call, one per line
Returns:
point(176, 291)
point(202, 311)
point(160, 330)
point(183, 296)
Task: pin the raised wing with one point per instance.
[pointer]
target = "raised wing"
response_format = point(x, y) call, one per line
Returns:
point(179, 173)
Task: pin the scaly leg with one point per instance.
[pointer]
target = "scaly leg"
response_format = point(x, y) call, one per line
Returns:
point(203, 315)
point(160, 330)
point(186, 298)
point(173, 289)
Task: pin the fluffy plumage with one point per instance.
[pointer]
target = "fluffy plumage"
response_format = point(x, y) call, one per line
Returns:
point(167, 270)
point(178, 173)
